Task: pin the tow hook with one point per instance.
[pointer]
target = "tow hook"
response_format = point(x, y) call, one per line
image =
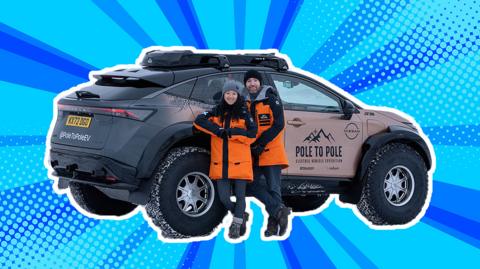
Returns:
point(71, 167)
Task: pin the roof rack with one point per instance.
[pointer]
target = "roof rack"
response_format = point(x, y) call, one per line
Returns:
point(267, 60)
point(187, 58)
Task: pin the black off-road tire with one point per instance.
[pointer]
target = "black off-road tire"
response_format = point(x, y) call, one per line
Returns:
point(162, 206)
point(374, 204)
point(96, 202)
point(305, 203)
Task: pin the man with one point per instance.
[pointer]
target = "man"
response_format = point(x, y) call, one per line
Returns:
point(268, 151)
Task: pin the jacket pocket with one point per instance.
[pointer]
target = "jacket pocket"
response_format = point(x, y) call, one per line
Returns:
point(240, 170)
point(215, 170)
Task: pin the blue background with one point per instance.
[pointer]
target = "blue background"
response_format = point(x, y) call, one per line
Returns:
point(421, 57)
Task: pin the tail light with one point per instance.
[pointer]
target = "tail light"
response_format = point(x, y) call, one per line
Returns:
point(134, 114)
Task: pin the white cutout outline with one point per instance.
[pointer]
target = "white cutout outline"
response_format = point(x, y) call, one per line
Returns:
point(228, 218)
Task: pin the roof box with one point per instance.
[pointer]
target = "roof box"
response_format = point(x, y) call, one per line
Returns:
point(187, 58)
point(183, 58)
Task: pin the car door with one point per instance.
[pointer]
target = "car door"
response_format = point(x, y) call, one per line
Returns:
point(318, 140)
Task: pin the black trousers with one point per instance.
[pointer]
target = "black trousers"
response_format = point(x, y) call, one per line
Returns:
point(224, 192)
point(266, 187)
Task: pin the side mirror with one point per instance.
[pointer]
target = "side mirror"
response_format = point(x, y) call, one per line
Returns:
point(348, 109)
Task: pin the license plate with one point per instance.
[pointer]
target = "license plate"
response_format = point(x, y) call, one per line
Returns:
point(78, 121)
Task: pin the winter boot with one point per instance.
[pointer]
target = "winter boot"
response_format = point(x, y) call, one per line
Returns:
point(235, 228)
point(272, 227)
point(282, 218)
point(243, 227)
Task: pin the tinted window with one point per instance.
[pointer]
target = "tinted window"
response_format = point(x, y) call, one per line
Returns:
point(296, 91)
point(125, 82)
point(182, 90)
point(115, 93)
point(209, 89)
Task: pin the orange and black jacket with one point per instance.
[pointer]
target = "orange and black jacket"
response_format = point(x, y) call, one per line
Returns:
point(230, 155)
point(267, 110)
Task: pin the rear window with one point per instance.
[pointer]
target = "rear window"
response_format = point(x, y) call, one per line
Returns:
point(116, 93)
point(120, 88)
point(125, 82)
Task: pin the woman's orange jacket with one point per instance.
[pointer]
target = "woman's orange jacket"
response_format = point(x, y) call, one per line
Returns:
point(230, 155)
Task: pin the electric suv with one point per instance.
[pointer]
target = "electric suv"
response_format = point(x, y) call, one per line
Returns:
point(126, 140)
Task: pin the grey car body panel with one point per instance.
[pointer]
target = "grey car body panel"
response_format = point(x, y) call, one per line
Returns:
point(159, 146)
point(88, 162)
point(94, 138)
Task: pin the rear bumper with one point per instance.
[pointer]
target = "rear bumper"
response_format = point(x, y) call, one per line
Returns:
point(92, 169)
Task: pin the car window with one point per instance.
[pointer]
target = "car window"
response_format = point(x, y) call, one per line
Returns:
point(209, 89)
point(182, 90)
point(295, 91)
point(114, 93)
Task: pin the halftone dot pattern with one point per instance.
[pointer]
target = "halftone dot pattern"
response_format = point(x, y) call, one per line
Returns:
point(159, 254)
point(94, 248)
point(21, 140)
point(445, 94)
point(392, 25)
point(121, 252)
point(420, 57)
point(426, 45)
point(465, 135)
point(21, 165)
point(363, 21)
point(35, 221)
point(315, 22)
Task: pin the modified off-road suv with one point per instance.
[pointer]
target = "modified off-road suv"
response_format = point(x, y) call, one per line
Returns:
point(127, 140)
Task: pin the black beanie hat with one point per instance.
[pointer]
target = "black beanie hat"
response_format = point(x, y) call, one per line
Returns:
point(252, 74)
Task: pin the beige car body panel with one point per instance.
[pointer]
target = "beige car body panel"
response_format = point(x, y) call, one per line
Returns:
point(327, 145)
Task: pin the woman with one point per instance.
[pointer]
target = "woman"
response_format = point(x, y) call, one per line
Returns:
point(232, 131)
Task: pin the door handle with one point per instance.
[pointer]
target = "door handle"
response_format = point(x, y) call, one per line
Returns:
point(296, 122)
